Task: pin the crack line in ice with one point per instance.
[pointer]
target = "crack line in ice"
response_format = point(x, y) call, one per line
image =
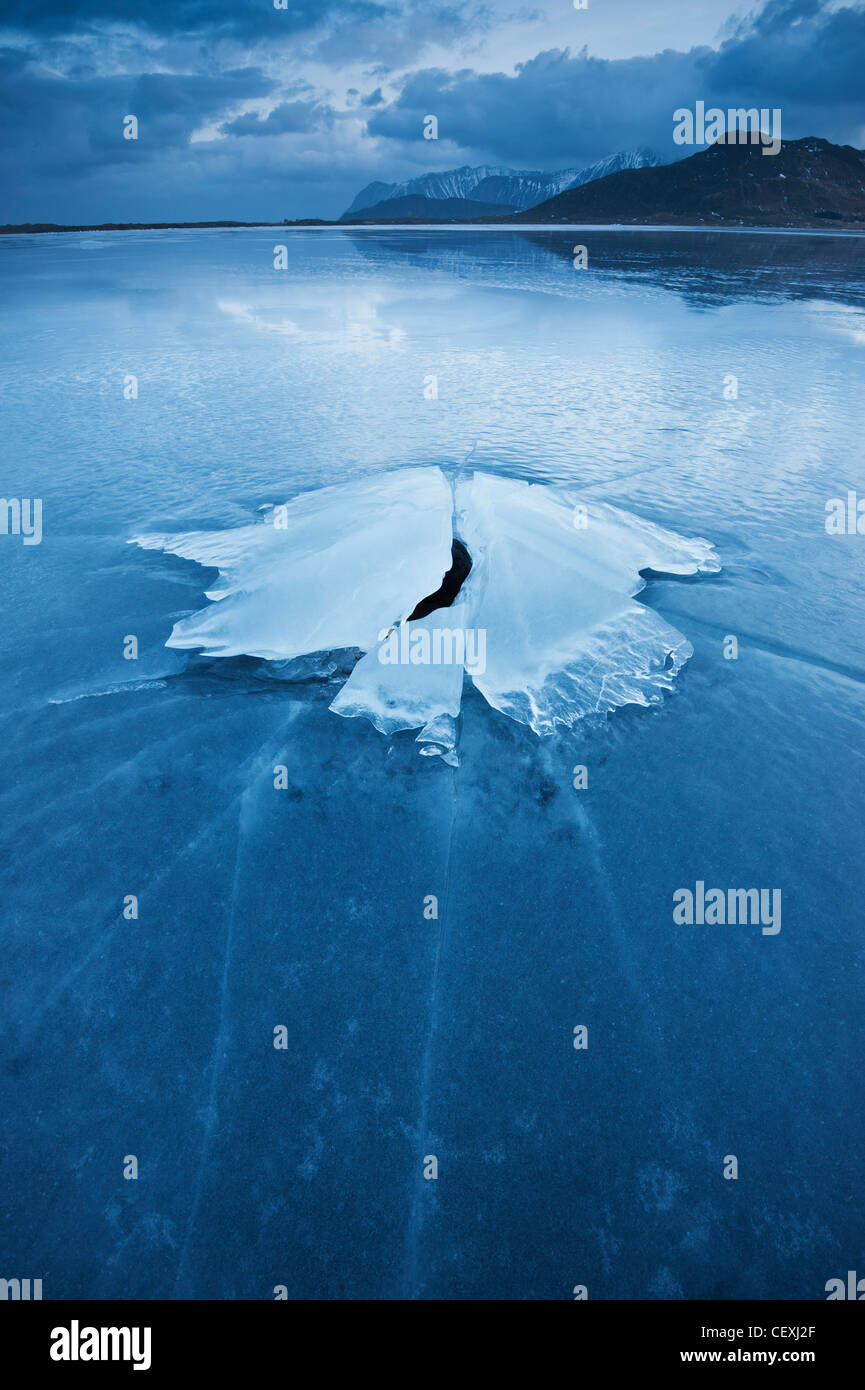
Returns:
point(47, 808)
point(650, 1028)
point(126, 688)
point(109, 928)
point(786, 652)
point(221, 1040)
point(416, 1214)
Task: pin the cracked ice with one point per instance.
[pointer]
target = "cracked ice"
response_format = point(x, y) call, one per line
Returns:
point(549, 598)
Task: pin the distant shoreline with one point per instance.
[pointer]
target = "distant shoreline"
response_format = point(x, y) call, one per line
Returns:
point(409, 225)
point(43, 228)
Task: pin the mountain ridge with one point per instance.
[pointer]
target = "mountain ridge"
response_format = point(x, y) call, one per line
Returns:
point(512, 188)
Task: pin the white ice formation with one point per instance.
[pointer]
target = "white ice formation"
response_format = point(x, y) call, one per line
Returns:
point(545, 624)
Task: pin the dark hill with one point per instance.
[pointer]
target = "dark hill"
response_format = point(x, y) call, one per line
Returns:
point(809, 183)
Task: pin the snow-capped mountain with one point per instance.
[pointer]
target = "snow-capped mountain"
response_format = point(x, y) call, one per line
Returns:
point(511, 189)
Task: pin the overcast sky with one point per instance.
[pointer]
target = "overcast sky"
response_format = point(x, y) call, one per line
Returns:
point(250, 112)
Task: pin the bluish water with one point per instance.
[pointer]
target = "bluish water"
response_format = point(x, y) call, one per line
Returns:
point(304, 907)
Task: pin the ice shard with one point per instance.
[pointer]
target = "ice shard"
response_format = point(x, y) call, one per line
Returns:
point(552, 586)
point(398, 685)
point(328, 570)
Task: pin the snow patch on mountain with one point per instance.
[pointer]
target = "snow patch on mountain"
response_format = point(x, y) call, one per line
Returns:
point(508, 188)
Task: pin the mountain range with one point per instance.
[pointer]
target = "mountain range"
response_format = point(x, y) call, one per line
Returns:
point(807, 183)
point(495, 189)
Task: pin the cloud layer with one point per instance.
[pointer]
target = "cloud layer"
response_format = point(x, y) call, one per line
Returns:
point(252, 112)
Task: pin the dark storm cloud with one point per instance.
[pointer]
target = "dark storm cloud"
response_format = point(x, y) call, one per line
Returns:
point(779, 15)
point(238, 18)
point(57, 126)
point(795, 54)
point(801, 52)
point(340, 30)
point(557, 107)
point(395, 37)
point(289, 117)
point(74, 70)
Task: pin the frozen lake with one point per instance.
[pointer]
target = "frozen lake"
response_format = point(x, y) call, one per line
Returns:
point(161, 382)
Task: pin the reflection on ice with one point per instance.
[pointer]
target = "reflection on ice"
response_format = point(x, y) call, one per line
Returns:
point(352, 321)
point(527, 589)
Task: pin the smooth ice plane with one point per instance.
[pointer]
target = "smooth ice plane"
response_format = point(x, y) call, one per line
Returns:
point(527, 589)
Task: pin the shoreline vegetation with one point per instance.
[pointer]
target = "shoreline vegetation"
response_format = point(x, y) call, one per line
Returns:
point(419, 224)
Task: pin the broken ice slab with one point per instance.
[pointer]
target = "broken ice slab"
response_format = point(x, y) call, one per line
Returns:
point(327, 570)
point(552, 587)
point(400, 685)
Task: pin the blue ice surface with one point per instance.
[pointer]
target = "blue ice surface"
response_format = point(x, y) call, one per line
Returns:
point(303, 907)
